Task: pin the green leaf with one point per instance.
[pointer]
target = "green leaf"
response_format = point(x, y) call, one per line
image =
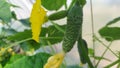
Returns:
point(113, 21)
point(25, 22)
point(5, 13)
point(14, 57)
point(55, 34)
point(21, 35)
point(2, 42)
point(8, 31)
point(4, 59)
point(53, 4)
point(25, 35)
point(49, 35)
point(35, 61)
point(91, 51)
point(28, 45)
point(0, 66)
point(110, 33)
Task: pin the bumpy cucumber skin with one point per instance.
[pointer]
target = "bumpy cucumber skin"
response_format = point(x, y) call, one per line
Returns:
point(73, 28)
point(58, 15)
point(81, 53)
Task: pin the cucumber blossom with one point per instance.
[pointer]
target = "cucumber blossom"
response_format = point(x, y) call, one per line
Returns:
point(73, 27)
point(58, 15)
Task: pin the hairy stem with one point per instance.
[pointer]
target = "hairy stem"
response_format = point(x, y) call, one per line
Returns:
point(104, 45)
point(103, 55)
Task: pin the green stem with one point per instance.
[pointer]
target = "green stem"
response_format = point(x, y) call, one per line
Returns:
point(103, 55)
point(57, 27)
point(118, 66)
point(104, 45)
point(87, 57)
point(112, 64)
point(93, 33)
point(72, 3)
point(50, 37)
point(16, 43)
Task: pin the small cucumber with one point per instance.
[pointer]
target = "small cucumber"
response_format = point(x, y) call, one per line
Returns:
point(81, 53)
point(73, 27)
point(58, 15)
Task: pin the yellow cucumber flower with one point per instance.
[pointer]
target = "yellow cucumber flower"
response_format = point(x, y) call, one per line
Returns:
point(55, 61)
point(37, 19)
point(10, 50)
point(2, 50)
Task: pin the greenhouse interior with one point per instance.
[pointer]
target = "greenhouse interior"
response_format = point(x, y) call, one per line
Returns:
point(59, 34)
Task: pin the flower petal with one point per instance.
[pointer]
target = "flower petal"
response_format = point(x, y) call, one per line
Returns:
point(37, 19)
point(55, 61)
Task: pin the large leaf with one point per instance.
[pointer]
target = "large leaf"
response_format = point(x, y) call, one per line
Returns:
point(15, 57)
point(28, 45)
point(110, 33)
point(21, 35)
point(35, 61)
point(53, 4)
point(5, 13)
point(49, 35)
point(54, 35)
point(2, 42)
point(25, 35)
point(113, 21)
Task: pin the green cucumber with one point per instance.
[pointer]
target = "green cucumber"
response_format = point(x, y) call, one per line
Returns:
point(83, 50)
point(81, 53)
point(58, 15)
point(73, 27)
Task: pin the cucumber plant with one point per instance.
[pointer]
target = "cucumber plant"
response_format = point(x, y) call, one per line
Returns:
point(68, 34)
